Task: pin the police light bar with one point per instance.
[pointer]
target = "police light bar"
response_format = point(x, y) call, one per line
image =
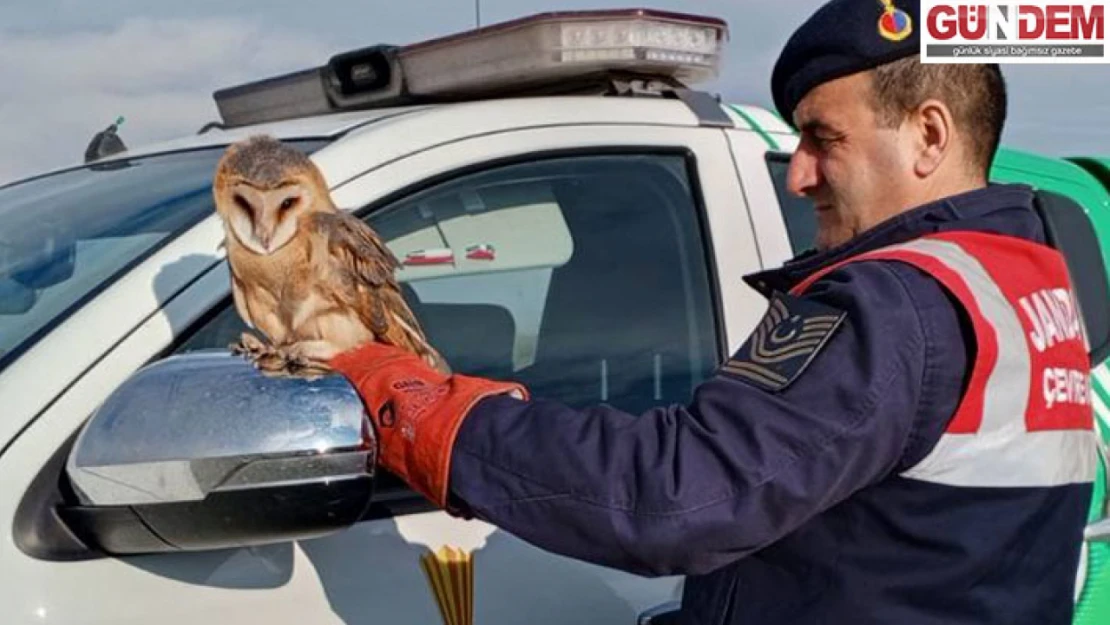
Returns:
point(548, 52)
point(552, 47)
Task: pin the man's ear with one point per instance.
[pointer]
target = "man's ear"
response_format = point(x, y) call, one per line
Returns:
point(934, 127)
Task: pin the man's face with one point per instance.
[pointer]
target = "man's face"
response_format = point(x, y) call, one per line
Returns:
point(857, 173)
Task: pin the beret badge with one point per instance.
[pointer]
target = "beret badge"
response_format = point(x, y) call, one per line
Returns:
point(894, 24)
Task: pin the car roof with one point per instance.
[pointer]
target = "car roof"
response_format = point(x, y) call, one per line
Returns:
point(325, 127)
point(317, 127)
point(450, 118)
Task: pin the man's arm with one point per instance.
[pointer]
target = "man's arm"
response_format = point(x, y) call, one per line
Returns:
point(685, 489)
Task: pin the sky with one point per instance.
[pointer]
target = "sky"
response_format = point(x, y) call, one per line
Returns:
point(70, 67)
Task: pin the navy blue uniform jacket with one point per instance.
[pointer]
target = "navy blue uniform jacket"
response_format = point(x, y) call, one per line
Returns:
point(786, 507)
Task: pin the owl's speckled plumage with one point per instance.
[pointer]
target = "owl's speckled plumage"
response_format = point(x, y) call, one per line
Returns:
point(313, 279)
point(265, 162)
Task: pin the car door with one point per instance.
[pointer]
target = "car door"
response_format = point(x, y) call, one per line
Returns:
point(583, 272)
point(579, 262)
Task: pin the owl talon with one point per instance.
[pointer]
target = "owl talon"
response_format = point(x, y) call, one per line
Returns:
point(301, 365)
point(305, 369)
point(266, 358)
point(285, 362)
point(249, 346)
point(270, 362)
point(306, 359)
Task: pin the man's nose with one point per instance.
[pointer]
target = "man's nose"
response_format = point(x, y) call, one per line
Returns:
point(803, 176)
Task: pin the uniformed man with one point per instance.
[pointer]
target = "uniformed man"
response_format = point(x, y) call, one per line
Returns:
point(884, 448)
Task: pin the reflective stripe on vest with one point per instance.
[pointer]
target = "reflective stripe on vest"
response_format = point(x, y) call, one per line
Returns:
point(1026, 418)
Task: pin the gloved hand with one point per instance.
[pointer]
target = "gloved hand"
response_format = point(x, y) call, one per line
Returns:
point(416, 411)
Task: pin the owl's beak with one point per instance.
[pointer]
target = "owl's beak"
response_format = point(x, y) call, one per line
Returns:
point(264, 234)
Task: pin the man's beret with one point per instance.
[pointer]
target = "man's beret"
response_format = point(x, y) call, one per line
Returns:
point(843, 37)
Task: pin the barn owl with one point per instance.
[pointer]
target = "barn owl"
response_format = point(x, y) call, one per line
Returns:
point(311, 278)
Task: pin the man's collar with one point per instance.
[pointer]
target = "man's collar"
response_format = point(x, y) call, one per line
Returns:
point(942, 214)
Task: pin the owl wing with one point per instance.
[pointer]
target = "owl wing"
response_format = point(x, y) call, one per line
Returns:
point(357, 248)
point(365, 265)
point(239, 298)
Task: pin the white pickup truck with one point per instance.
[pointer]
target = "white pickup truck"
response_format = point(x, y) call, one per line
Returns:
point(567, 211)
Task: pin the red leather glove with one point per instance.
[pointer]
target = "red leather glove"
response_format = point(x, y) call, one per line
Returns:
point(416, 410)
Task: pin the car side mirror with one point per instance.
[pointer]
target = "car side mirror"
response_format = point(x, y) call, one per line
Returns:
point(202, 451)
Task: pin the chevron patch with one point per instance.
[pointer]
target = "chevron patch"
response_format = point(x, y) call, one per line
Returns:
point(788, 338)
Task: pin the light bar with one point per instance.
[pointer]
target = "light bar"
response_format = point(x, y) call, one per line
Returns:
point(355, 79)
point(548, 52)
point(553, 47)
point(299, 94)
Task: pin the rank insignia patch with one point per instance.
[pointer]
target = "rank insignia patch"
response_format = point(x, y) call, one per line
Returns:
point(790, 335)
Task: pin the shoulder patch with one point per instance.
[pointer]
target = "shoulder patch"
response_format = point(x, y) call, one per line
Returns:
point(790, 335)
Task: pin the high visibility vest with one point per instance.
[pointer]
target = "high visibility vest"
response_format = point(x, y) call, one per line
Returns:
point(1026, 417)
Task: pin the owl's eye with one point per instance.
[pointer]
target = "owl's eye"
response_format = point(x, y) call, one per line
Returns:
point(242, 203)
point(288, 203)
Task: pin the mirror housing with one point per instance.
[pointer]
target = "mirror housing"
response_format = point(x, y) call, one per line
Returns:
point(202, 451)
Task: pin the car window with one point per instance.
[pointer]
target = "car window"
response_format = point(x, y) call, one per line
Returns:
point(584, 277)
point(217, 331)
point(66, 236)
point(798, 213)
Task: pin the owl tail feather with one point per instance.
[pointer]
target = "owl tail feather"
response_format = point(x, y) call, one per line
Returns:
point(414, 339)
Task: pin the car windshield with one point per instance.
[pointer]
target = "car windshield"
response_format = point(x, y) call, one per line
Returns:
point(66, 236)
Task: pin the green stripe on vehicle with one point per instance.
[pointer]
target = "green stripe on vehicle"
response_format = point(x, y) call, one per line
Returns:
point(1093, 607)
point(1100, 386)
point(756, 127)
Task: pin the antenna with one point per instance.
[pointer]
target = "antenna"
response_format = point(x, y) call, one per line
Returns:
point(105, 143)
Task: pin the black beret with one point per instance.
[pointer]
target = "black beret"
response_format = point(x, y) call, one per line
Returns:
point(843, 37)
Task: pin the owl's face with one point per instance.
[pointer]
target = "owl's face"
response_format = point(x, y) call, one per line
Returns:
point(265, 219)
point(262, 188)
